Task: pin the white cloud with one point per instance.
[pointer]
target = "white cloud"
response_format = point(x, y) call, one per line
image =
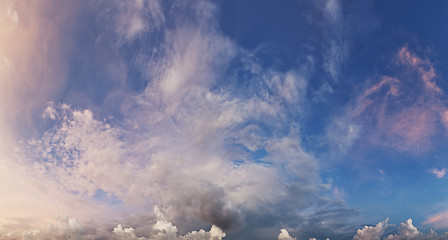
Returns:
point(284, 235)
point(371, 232)
point(164, 230)
point(336, 49)
point(406, 231)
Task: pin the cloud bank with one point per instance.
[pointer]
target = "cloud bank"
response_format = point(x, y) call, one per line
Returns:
point(206, 147)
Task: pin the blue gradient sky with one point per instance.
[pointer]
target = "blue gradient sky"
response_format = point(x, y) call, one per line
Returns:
point(247, 119)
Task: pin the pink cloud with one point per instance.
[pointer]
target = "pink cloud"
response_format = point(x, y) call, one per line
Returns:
point(399, 114)
point(438, 220)
point(424, 67)
point(408, 58)
point(409, 129)
point(439, 173)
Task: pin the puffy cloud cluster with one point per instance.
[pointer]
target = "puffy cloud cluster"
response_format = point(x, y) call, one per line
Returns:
point(58, 228)
point(371, 232)
point(406, 231)
point(165, 230)
point(64, 228)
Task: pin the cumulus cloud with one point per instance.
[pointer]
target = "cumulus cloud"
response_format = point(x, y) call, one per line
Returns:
point(406, 231)
point(58, 228)
point(371, 232)
point(284, 235)
point(66, 228)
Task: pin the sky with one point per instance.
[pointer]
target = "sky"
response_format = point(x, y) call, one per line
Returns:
point(212, 120)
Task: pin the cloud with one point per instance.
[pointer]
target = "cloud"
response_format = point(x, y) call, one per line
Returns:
point(423, 66)
point(398, 114)
point(337, 48)
point(57, 228)
point(371, 232)
point(342, 134)
point(439, 173)
point(284, 235)
point(330, 218)
point(211, 139)
point(131, 19)
point(30, 76)
point(406, 231)
point(439, 220)
point(342, 23)
point(66, 228)
point(60, 228)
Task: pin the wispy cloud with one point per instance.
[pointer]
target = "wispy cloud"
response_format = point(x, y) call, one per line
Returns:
point(189, 142)
point(438, 220)
point(398, 114)
point(342, 26)
point(423, 66)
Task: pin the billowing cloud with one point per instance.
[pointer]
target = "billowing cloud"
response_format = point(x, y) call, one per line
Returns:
point(284, 235)
point(196, 141)
point(371, 232)
point(163, 229)
point(406, 231)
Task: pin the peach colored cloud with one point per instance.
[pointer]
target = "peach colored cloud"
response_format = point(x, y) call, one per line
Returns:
point(439, 173)
point(397, 113)
point(423, 66)
point(438, 220)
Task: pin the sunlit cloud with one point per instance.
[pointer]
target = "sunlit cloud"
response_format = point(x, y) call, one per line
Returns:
point(398, 115)
point(149, 119)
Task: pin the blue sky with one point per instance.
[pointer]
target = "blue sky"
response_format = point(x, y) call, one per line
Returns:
point(148, 119)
